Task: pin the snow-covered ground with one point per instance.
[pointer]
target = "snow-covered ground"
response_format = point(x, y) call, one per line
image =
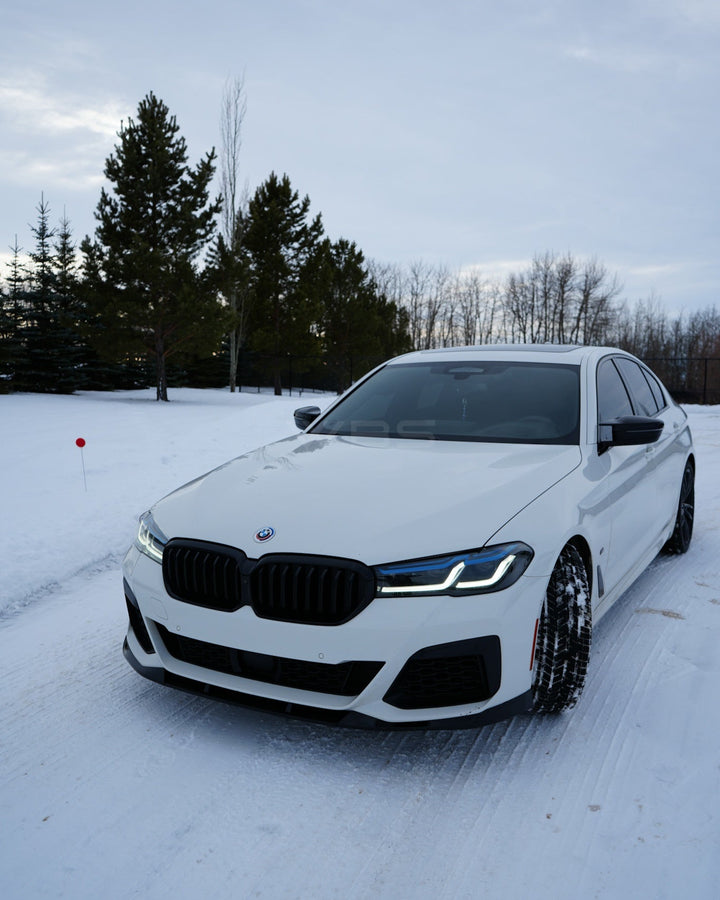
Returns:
point(114, 787)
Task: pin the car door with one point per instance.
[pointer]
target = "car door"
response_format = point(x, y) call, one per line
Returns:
point(629, 504)
point(665, 457)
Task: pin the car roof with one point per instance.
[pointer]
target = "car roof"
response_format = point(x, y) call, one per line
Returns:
point(548, 353)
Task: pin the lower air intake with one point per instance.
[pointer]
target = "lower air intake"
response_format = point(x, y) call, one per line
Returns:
point(346, 679)
point(448, 675)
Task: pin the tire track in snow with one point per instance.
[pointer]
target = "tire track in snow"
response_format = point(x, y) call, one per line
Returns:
point(11, 607)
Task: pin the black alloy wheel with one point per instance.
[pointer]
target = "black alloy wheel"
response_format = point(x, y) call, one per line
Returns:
point(679, 540)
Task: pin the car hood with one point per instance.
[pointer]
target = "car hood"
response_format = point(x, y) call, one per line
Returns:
point(371, 499)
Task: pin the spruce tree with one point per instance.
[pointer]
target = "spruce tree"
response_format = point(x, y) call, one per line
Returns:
point(279, 241)
point(13, 300)
point(7, 335)
point(38, 367)
point(73, 370)
point(142, 279)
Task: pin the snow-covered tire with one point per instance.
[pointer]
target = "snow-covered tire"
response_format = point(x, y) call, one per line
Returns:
point(562, 649)
point(679, 540)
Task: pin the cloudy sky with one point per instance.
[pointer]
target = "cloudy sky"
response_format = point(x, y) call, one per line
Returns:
point(460, 133)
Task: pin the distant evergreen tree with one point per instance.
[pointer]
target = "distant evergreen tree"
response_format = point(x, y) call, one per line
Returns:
point(7, 333)
point(142, 283)
point(46, 310)
point(229, 271)
point(11, 320)
point(359, 327)
point(65, 264)
point(73, 370)
point(279, 242)
point(41, 360)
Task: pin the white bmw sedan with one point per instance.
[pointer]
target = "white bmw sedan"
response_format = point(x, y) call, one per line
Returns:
point(431, 550)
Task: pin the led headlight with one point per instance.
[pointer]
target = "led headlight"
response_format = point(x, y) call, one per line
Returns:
point(471, 572)
point(150, 540)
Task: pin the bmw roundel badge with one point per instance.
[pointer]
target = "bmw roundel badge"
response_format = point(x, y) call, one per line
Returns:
point(264, 534)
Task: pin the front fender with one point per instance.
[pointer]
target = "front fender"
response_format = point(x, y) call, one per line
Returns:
point(551, 521)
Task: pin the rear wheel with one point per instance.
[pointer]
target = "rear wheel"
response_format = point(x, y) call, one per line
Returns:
point(679, 540)
point(562, 650)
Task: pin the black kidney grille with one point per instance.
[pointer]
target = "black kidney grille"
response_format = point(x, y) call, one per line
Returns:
point(203, 574)
point(321, 592)
point(314, 590)
point(346, 679)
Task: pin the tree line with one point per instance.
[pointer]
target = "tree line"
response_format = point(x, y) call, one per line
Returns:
point(158, 292)
point(557, 298)
point(178, 286)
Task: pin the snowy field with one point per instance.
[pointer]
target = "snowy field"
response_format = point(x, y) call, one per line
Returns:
point(114, 787)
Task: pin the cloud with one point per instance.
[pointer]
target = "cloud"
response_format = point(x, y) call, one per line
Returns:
point(35, 109)
point(496, 269)
point(54, 139)
point(619, 59)
point(702, 14)
point(652, 271)
point(69, 169)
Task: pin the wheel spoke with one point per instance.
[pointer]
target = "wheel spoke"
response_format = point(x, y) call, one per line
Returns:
point(682, 533)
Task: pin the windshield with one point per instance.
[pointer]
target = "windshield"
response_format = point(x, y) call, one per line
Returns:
point(494, 401)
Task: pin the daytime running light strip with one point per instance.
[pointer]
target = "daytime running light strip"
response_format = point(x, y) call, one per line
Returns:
point(410, 589)
point(493, 579)
point(450, 580)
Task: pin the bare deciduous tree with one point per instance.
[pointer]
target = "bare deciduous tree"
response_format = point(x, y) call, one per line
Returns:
point(234, 107)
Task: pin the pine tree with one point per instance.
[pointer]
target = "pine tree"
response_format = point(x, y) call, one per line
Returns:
point(359, 326)
point(143, 285)
point(228, 268)
point(279, 241)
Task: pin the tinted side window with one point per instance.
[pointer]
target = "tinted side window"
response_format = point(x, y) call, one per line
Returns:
point(657, 391)
point(613, 400)
point(640, 392)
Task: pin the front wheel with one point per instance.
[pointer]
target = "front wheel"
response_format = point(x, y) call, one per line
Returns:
point(562, 649)
point(679, 540)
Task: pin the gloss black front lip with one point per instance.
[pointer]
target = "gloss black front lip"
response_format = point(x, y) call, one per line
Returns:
point(342, 718)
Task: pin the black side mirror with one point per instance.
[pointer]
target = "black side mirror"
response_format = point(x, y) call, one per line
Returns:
point(305, 416)
point(628, 431)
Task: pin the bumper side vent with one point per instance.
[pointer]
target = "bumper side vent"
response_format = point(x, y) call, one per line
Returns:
point(448, 675)
point(137, 623)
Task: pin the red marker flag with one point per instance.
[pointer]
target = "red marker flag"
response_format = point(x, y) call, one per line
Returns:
point(80, 442)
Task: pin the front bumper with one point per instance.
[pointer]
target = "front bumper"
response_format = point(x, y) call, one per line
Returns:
point(344, 718)
point(402, 662)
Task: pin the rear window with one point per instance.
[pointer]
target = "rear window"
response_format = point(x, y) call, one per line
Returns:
point(493, 401)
